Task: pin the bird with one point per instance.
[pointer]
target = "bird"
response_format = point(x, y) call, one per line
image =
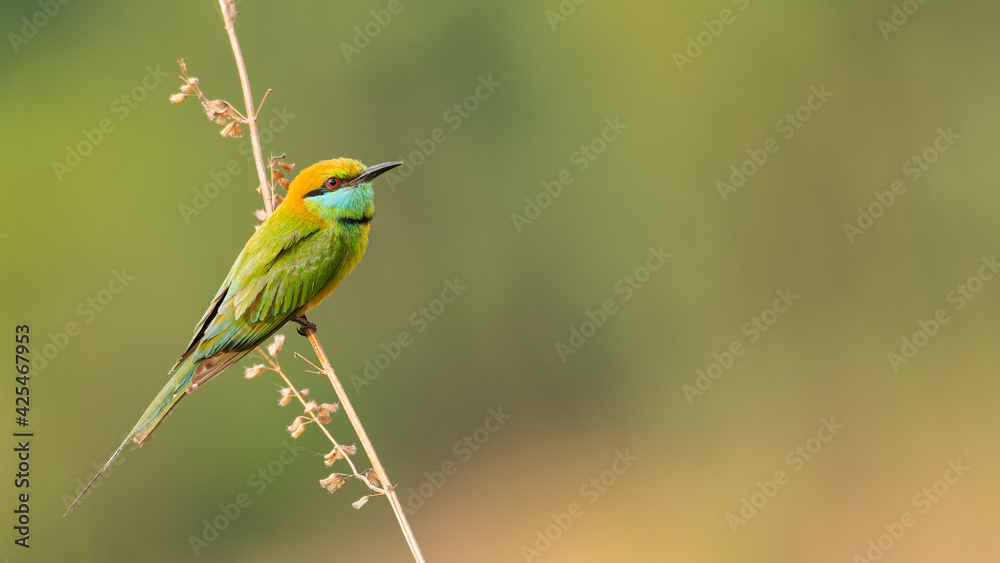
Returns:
point(295, 259)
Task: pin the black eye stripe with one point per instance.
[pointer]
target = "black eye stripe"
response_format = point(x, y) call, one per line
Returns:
point(331, 184)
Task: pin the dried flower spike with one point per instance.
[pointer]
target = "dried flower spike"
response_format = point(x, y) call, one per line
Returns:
point(178, 98)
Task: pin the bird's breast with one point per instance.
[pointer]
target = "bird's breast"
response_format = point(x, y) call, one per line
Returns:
point(348, 248)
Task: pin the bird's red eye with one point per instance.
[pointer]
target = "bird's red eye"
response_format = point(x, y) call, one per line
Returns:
point(332, 183)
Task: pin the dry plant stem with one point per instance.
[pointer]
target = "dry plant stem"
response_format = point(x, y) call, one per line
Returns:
point(277, 368)
point(228, 9)
point(345, 402)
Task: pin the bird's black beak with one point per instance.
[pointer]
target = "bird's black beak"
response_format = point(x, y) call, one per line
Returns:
point(373, 172)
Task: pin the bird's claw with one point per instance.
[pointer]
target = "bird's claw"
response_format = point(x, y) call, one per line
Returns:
point(304, 325)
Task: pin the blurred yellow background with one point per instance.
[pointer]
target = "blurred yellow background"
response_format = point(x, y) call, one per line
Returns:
point(721, 278)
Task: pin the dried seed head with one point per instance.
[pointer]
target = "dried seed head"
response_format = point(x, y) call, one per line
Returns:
point(286, 396)
point(360, 502)
point(297, 427)
point(275, 347)
point(233, 129)
point(177, 98)
point(260, 214)
point(311, 406)
point(286, 165)
point(324, 412)
point(216, 106)
point(184, 67)
point(277, 175)
point(372, 477)
point(284, 184)
point(217, 110)
point(340, 451)
point(253, 371)
point(186, 87)
point(333, 482)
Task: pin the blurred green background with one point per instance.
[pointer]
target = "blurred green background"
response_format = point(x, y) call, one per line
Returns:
point(700, 465)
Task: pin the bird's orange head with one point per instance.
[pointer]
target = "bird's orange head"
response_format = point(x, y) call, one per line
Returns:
point(336, 190)
point(328, 176)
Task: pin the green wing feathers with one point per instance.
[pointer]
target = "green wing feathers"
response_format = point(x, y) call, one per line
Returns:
point(265, 287)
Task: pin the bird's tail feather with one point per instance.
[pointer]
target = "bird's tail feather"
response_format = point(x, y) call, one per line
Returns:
point(170, 395)
point(99, 473)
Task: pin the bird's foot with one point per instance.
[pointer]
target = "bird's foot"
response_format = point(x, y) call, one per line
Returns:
point(304, 325)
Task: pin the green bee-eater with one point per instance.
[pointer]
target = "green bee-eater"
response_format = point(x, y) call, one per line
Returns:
point(297, 257)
